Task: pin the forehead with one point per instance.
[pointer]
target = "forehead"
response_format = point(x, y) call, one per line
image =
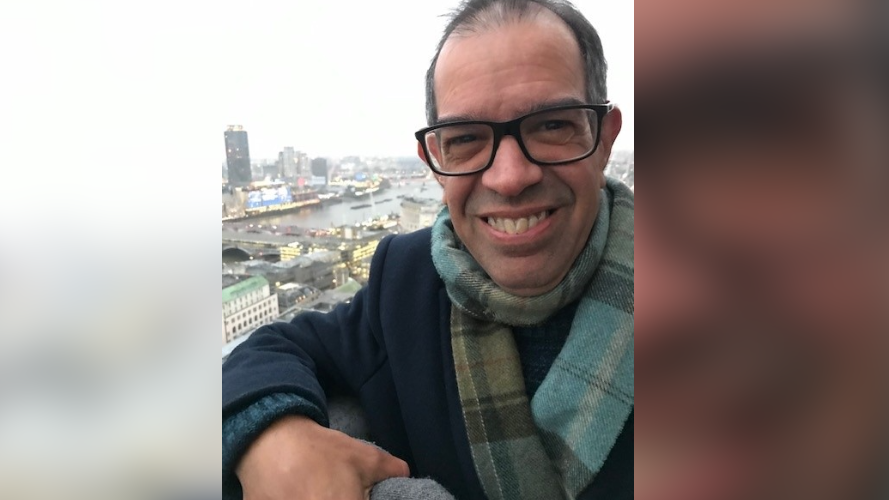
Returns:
point(672, 32)
point(500, 72)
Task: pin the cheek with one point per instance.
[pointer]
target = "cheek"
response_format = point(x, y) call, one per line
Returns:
point(455, 193)
point(584, 185)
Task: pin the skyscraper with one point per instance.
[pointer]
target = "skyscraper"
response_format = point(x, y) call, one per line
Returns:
point(237, 154)
point(304, 164)
point(319, 171)
point(287, 163)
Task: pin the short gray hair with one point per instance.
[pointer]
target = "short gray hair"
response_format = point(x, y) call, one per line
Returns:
point(475, 15)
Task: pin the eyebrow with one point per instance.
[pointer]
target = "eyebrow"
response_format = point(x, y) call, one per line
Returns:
point(540, 106)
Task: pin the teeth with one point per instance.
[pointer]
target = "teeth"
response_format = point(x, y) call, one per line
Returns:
point(516, 226)
point(522, 225)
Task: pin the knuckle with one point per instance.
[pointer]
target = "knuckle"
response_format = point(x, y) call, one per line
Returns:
point(379, 459)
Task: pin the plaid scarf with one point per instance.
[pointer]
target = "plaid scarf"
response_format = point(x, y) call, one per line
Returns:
point(554, 446)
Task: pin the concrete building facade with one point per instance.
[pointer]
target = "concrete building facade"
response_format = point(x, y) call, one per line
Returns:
point(247, 303)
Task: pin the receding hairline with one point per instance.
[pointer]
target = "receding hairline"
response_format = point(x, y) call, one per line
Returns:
point(500, 15)
point(488, 22)
point(473, 16)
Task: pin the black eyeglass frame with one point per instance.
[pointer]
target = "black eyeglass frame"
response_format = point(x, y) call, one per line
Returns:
point(513, 128)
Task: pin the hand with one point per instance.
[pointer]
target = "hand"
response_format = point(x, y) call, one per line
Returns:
point(295, 458)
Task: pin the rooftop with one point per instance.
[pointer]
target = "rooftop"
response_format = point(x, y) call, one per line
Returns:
point(232, 279)
point(331, 298)
point(350, 286)
point(243, 287)
point(290, 286)
point(299, 261)
point(269, 239)
point(284, 240)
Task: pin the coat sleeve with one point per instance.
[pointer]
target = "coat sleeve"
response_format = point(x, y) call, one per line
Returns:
point(242, 428)
point(312, 355)
point(290, 368)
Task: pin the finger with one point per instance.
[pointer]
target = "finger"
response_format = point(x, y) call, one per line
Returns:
point(396, 467)
point(383, 466)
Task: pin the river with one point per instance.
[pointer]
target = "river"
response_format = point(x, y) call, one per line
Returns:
point(323, 217)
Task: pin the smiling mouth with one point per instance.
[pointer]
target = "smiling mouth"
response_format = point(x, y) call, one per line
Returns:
point(517, 226)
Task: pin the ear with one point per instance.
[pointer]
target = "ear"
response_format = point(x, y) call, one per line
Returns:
point(611, 127)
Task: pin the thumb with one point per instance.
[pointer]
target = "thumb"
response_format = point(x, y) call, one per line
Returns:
point(395, 467)
point(383, 466)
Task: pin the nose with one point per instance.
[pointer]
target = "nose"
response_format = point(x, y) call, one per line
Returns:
point(511, 173)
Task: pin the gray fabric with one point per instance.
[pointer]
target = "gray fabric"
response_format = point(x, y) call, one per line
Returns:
point(347, 416)
point(401, 488)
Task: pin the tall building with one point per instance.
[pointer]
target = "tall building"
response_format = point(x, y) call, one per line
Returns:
point(287, 163)
point(237, 155)
point(417, 213)
point(291, 251)
point(319, 171)
point(303, 164)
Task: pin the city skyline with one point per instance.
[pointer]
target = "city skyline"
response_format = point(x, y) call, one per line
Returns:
point(257, 161)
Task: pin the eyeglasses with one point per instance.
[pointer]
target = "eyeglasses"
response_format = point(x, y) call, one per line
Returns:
point(553, 136)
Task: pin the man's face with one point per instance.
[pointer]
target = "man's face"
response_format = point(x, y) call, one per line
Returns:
point(763, 236)
point(499, 75)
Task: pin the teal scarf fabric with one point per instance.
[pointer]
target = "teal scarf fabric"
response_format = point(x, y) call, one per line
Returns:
point(554, 445)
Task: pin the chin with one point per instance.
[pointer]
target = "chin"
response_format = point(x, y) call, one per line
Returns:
point(528, 285)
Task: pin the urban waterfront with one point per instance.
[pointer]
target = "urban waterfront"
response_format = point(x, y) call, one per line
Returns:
point(385, 202)
point(341, 214)
point(280, 261)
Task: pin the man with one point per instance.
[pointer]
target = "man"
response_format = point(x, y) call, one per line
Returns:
point(764, 230)
point(494, 352)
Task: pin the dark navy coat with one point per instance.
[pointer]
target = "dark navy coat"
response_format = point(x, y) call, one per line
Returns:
point(391, 348)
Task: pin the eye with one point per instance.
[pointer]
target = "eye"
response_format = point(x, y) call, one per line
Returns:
point(460, 139)
point(554, 124)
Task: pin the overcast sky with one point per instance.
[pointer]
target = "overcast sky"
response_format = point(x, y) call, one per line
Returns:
point(332, 80)
point(156, 82)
